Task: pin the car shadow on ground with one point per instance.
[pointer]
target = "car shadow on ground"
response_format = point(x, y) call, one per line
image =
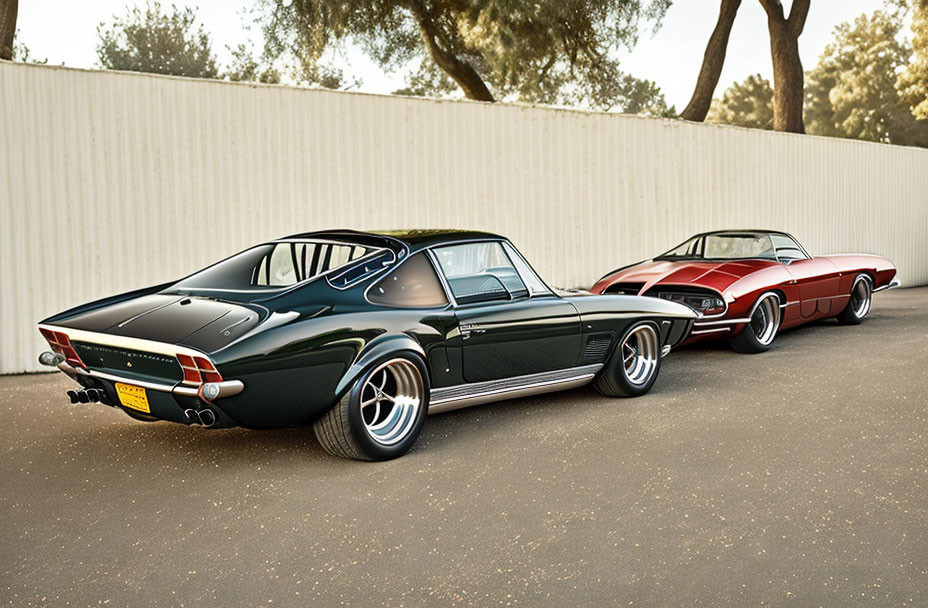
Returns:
point(115, 431)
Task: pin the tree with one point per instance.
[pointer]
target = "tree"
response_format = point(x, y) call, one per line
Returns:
point(913, 81)
point(246, 68)
point(149, 40)
point(852, 91)
point(8, 10)
point(712, 63)
point(551, 51)
point(746, 104)
point(787, 65)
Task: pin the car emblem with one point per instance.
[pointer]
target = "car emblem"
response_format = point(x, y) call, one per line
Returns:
point(128, 363)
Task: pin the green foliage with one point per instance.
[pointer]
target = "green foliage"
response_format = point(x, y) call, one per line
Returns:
point(852, 91)
point(913, 81)
point(545, 51)
point(246, 68)
point(22, 53)
point(745, 104)
point(149, 40)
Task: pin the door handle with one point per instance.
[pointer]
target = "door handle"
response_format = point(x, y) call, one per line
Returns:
point(469, 330)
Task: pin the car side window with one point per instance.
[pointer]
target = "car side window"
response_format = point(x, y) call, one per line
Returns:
point(479, 272)
point(787, 249)
point(414, 284)
point(535, 285)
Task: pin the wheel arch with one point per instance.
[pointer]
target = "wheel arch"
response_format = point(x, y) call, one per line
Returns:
point(377, 349)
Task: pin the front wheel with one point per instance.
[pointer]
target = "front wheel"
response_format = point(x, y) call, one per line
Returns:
point(858, 306)
point(759, 333)
point(634, 365)
point(381, 416)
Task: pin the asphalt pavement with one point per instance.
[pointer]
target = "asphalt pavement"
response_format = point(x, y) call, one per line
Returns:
point(798, 477)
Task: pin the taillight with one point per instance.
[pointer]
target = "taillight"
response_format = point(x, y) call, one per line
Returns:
point(198, 370)
point(61, 344)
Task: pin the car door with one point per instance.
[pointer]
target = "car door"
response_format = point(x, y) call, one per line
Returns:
point(817, 279)
point(507, 329)
point(818, 283)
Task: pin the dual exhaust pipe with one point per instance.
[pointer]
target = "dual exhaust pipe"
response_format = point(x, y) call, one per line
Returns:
point(90, 395)
point(205, 417)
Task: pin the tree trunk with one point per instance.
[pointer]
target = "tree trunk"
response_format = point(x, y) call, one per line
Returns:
point(8, 9)
point(788, 85)
point(459, 70)
point(712, 63)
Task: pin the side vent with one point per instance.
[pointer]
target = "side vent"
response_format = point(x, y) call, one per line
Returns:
point(597, 345)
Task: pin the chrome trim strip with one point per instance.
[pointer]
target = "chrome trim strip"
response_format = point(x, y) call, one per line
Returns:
point(710, 331)
point(722, 322)
point(892, 285)
point(227, 388)
point(155, 386)
point(128, 342)
point(466, 395)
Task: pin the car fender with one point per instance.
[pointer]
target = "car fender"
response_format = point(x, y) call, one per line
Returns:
point(373, 351)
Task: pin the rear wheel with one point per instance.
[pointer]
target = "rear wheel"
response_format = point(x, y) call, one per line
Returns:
point(759, 333)
point(858, 306)
point(634, 365)
point(381, 416)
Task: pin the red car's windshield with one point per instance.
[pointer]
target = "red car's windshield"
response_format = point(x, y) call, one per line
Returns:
point(724, 246)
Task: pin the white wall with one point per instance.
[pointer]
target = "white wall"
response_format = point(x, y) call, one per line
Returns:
point(110, 182)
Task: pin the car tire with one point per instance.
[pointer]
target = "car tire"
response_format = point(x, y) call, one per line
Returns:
point(381, 416)
point(634, 365)
point(758, 334)
point(858, 305)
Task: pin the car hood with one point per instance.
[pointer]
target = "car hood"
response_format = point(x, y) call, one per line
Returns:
point(201, 323)
point(715, 275)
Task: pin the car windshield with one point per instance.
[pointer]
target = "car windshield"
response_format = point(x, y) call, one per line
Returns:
point(276, 265)
point(724, 246)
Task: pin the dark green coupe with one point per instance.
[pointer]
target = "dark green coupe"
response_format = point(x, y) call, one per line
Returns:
point(358, 334)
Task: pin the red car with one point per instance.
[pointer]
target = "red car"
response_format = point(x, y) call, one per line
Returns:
point(747, 285)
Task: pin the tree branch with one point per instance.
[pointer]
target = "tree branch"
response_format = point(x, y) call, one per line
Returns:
point(8, 10)
point(712, 63)
point(797, 16)
point(774, 9)
point(459, 70)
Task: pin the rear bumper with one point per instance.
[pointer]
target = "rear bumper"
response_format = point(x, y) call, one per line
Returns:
point(166, 401)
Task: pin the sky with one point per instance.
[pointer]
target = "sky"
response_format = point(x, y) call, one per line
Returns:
point(64, 31)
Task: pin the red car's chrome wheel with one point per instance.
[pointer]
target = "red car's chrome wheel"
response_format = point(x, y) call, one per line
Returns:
point(766, 319)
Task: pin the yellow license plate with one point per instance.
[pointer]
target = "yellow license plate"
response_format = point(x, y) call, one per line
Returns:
point(133, 397)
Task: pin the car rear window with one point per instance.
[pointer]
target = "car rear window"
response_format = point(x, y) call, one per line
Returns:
point(275, 265)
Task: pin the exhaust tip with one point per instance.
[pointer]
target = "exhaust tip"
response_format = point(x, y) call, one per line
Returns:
point(207, 417)
point(93, 394)
point(192, 416)
point(72, 395)
point(82, 396)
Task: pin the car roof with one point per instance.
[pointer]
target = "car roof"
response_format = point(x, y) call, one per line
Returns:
point(746, 231)
point(414, 240)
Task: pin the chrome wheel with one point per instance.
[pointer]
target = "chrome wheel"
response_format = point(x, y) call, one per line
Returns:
point(390, 401)
point(861, 294)
point(640, 355)
point(766, 319)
